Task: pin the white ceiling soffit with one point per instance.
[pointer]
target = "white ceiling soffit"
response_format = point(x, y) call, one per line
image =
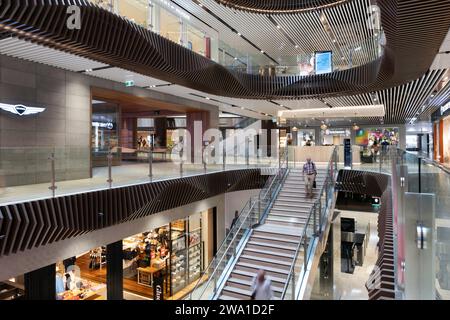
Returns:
point(32, 52)
point(442, 60)
point(355, 111)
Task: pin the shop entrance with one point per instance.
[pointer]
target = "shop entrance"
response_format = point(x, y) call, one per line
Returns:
point(173, 255)
point(125, 128)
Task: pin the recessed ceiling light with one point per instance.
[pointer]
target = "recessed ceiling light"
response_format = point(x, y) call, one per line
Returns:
point(278, 26)
point(296, 46)
point(235, 58)
point(262, 51)
point(239, 34)
point(334, 40)
point(89, 70)
point(358, 49)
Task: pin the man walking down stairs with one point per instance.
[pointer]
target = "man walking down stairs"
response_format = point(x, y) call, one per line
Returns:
point(272, 246)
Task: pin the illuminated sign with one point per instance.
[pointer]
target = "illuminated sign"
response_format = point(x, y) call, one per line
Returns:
point(20, 109)
point(445, 108)
point(107, 125)
point(323, 62)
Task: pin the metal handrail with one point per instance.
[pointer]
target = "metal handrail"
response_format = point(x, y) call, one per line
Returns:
point(228, 248)
point(312, 212)
point(236, 232)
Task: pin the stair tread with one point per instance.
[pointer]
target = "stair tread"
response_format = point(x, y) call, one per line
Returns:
point(290, 220)
point(250, 282)
point(225, 297)
point(292, 231)
point(272, 245)
point(267, 260)
point(291, 209)
point(253, 274)
point(256, 266)
point(282, 213)
point(261, 237)
point(273, 253)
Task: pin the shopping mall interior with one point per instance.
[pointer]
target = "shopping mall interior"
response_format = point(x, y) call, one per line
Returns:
point(183, 149)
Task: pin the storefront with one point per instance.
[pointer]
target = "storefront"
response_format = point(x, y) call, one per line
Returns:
point(441, 135)
point(173, 255)
point(335, 136)
point(303, 137)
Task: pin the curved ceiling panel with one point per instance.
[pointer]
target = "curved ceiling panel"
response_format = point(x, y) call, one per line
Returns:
point(279, 6)
point(412, 41)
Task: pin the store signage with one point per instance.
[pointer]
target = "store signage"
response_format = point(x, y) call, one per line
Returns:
point(336, 131)
point(158, 285)
point(445, 108)
point(107, 125)
point(20, 109)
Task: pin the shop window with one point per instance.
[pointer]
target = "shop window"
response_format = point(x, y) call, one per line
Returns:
point(105, 132)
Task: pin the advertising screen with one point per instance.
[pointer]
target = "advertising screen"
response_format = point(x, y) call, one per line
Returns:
point(323, 62)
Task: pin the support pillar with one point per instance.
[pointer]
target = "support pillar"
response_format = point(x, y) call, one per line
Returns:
point(114, 271)
point(40, 284)
point(161, 131)
point(202, 118)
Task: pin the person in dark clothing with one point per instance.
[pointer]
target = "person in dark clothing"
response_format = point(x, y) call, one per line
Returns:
point(69, 262)
point(236, 217)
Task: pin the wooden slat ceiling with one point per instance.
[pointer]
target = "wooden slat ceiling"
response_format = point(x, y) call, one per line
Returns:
point(412, 41)
point(24, 226)
point(278, 6)
point(302, 33)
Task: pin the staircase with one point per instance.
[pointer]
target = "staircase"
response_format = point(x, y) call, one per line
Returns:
point(273, 244)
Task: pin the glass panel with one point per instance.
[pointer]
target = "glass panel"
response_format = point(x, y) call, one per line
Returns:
point(196, 40)
point(134, 10)
point(170, 26)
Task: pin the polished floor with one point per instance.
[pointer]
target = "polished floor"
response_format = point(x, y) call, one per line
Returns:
point(126, 174)
point(352, 286)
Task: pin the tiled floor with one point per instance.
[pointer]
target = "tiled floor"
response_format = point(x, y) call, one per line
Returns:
point(123, 175)
point(352, 286)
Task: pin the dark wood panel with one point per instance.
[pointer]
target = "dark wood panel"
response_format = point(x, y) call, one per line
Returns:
point(41, 222)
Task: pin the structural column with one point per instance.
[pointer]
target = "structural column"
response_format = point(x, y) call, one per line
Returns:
point(161, 131)
point(197, 123)
point(40, 284)
point(267, 141)
point(114, 271)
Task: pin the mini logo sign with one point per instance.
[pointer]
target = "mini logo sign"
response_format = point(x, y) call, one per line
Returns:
point(20, 109)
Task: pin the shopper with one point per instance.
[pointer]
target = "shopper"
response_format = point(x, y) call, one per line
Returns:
point(375, 149)
point(262, 287)
point(309, 176)
point(236, 217)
